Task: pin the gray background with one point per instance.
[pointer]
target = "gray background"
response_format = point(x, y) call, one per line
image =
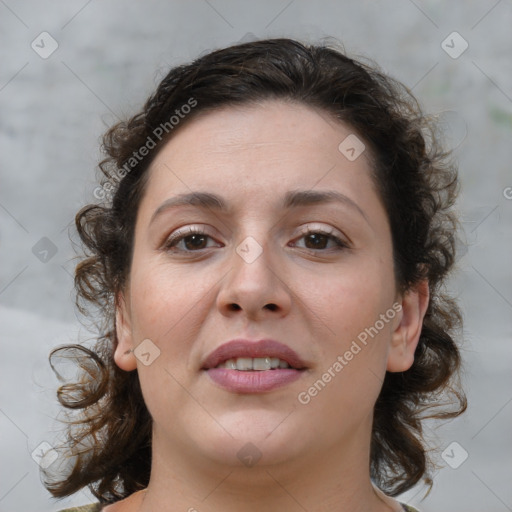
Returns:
point(110, 56)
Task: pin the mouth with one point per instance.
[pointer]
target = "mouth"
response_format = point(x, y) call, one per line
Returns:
point(243, 366)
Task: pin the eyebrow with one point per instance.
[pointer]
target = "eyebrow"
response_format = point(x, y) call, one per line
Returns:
point(292, 199)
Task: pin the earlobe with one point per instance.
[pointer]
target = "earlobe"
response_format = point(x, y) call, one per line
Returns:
point(407, 333)
point(123, 354)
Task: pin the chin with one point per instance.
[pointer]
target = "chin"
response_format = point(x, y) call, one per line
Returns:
point(258, 438)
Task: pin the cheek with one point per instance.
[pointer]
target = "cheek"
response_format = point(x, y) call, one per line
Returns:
point(169, 306)
point(166, 308)
point(353, 353)
point(351, 298)
point(163, 297)
point(350, 304)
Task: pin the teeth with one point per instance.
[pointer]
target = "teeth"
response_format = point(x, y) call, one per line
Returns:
point(244, 363)
point(231, 364)
point(256, 363)
point(261, 363)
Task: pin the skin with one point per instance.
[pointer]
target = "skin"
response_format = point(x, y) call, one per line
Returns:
point(314, 456)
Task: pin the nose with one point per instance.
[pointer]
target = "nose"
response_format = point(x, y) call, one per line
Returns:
point(256, 285)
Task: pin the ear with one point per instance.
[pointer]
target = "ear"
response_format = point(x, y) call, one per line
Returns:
point(123, 354)
point(406, 334)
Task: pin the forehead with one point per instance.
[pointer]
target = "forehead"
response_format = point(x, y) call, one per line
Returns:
point(257, 153)
point(250, 140)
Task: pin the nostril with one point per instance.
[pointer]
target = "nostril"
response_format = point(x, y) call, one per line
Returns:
point(272, 307)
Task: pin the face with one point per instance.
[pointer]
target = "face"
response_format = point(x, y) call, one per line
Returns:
point(313, 273)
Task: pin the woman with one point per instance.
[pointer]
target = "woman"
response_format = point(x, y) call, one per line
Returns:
point(267, 264)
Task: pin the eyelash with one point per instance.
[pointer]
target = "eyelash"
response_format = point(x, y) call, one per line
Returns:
point(174, 239)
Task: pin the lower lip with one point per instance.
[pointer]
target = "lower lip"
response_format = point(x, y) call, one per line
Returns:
point(253, 381)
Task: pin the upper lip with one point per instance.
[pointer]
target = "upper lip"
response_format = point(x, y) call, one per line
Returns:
point(246, 348)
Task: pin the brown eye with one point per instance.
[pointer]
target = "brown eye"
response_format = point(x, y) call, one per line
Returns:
point(318, 240)
point(191, 241)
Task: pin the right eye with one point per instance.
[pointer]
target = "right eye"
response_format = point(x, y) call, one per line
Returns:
point(192, 240)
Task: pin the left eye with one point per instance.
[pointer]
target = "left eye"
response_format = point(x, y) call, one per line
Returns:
point(319, 239)
point(195, 239)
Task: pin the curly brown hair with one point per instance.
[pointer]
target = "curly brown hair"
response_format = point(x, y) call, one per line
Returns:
point(110, 443)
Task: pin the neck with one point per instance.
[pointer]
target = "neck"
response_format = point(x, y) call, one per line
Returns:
point(337, 481)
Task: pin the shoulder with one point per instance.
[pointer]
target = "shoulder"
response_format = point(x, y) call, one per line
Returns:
point(92, 507)
point(409, 508)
